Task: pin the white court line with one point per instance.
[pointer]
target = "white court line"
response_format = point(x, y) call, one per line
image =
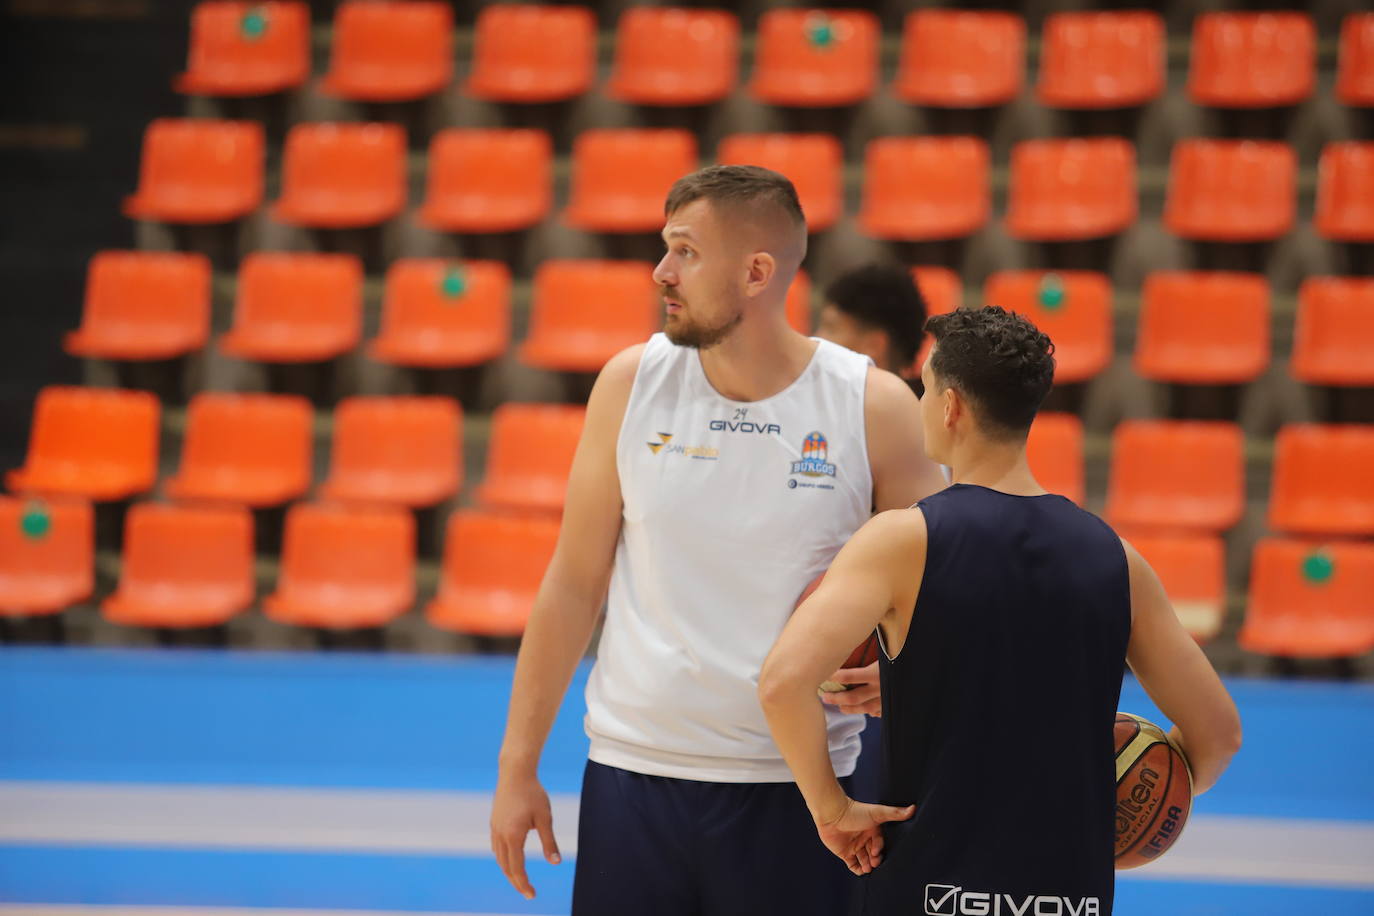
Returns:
point(1228, 849)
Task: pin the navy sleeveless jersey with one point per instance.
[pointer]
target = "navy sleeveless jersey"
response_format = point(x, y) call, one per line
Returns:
point(998, 713)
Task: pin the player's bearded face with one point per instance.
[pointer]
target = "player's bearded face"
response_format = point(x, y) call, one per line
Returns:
point(688, 327)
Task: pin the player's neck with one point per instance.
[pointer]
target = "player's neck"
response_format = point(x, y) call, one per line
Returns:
point(996, 467)
point(760, 359)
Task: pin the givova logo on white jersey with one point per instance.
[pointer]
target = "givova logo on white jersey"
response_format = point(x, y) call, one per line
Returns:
point(953, 900)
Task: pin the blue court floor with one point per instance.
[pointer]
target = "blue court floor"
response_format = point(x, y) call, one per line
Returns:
point(193, 783)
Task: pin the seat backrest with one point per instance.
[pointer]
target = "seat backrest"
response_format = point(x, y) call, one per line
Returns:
point(1176, 475)
point(1203, 328)
point(338, 157)
point(199, 169)
point(530, 454)
point(47, 553)
point(398, 435)
point(498, 552)
point(1192, 569)
point(1231, 190)
point(961, 58)
point(240, 47)
point(1054, 450)
point(1310, 599)
point(1071, 189)
point(360, 546)
point(604, 299)
point(1101, 59)
point(675, 56)
point(438, 295)
point(400, 49)
point(1074, 307)
point(289, 293)
point(1345, 192)
point(620, 176)
point(164, 289)
point(188, 545)
point(1333, 338)
point(925, 187)
point(532, 53)
point(819, 57)
point(1252, 60)
point(96, 428)
point(248, 433)
point(473, 171)
point(813, 163)
point(1322, 482)
point(1355, 60)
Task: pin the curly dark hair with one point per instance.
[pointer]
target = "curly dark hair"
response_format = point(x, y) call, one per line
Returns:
point(884, 297)
point(998, 360)
point(737, 186)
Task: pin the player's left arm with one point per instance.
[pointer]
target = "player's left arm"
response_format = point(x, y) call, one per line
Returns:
point(902, 474)
point(874, 573)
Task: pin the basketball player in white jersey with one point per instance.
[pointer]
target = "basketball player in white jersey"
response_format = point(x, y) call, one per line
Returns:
point(721, 467)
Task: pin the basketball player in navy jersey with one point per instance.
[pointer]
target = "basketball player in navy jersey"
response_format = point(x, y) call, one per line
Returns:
point(1006, 616)
point(721, 467)
point(877, 310)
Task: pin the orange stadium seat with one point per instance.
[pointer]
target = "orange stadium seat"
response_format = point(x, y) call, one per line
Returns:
point(1333, 339)
point(1054, 450)
point(98, 443)
point(961, 58)
point(813, 162)
point(342, 176)
point(1322, 481)
point(944, 292)
point(530, 455)
point(1066, 190)
point(493, 564)
point(344, 567)
point(183, 567)
point(1101, 60)
point(439, 313)
point(1176, 475)
point(249, 449)
point(143, 305)
point(620, 177)
point(799, 303)
point(488, 180)
point(401, 451)
point(47, 555)
point(295, 308)
point(584, 312)
point(1192, 569)
point(1203, 328)
point(390, 52)
point(920, 188)
point(198, 171)
point(1355, 60)
point(1074, 307)
point(1345, 192)
point(815, 58)
point(1310, 599)
point(1231, 190)
point(1252, 60)
point(674, 56)
point(524, 52)
point(246, 48)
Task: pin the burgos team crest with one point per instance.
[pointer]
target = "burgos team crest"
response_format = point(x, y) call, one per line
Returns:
point(814, 464)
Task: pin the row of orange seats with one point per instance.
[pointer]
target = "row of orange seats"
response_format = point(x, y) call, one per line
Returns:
point(802, 57)
point(342, 566)
point(256, 449)
point(341, 175)
point(1195, 327)
point(350, 567)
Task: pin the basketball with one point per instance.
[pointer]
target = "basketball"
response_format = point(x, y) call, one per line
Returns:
point(1154, 791)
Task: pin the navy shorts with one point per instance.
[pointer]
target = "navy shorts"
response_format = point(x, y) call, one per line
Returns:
point(655, 846)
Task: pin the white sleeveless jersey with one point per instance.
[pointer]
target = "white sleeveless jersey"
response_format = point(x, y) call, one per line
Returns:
point(731, 509)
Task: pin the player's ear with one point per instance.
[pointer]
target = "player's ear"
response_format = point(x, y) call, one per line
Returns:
point(762, 267)
point(954, 406)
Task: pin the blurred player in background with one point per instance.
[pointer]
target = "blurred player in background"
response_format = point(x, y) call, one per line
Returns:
point(721, 467)
point(876, 310)
point(1006, 616)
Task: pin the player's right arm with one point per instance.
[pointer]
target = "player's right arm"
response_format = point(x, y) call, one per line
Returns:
point(1179, 678)
point(561, 622)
